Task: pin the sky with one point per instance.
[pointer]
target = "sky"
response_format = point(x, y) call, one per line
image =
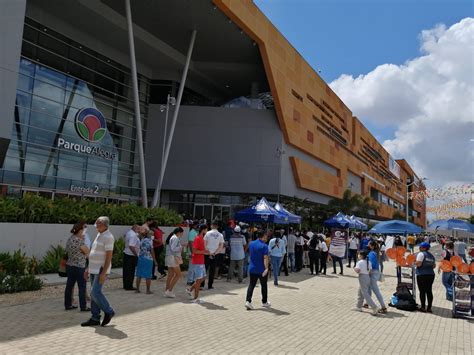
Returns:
point(404, 67)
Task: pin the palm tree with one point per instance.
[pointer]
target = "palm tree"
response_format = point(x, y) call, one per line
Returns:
point(352, 204)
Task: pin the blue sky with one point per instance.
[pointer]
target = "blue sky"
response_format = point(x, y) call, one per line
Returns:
point(355, 36)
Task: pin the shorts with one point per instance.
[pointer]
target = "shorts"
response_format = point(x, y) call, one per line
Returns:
point(170, 261)
point(198, 271)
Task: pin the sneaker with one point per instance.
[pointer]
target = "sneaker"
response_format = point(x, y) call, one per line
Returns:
point(276, 285)
point(90, 323)
point(188, 291)
point(197, 301)
point(248, 305)
point(382, 311)
point(266, 304)
point(357, 309)
point(169, 294)
point(376, 312)
point(154, 277)
point(162, 276)
point(107, 318)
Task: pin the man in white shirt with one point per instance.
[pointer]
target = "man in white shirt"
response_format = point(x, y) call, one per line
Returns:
point(214, 242)
point(130, 256)
point(100, 262)
point(353, 248)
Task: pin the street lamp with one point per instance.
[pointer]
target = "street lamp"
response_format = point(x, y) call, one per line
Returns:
point(170, 100)
point(408, 185)
point(279, 154)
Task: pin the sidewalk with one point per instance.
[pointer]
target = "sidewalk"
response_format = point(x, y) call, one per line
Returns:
point(309, 314)
point(55, 279)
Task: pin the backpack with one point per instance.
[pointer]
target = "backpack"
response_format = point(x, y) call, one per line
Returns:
point(406, 305)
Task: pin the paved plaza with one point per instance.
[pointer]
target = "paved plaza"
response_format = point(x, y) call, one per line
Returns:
point(310, 315)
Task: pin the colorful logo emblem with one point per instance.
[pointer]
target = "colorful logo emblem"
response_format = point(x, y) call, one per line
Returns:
point(91, 125)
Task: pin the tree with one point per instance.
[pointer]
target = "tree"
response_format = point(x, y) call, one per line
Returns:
point(352, 204)
point(398, 215)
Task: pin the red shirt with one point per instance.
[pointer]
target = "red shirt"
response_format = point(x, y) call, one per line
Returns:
point(198, 259)
point(158, 240)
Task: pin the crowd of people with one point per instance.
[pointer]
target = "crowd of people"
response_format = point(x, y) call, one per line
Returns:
point(235, 251)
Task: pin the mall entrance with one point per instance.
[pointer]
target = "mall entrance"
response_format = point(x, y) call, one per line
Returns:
point(212, 212)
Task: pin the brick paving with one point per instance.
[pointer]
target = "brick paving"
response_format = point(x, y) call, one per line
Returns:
point(310, 315)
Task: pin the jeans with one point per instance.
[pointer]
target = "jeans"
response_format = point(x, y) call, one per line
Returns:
point(276, 261)
point(425, 285)
point(211, 269)
point(253, 282)
point(284, 265)
point(98, 300)
point(75, 274)
point(352, 256)
point(324, 262)
point(364, 292)
point(291, 255)
point(314, 256)
point(128, 270)
point(447, 280)
point(334, 260)
point(374, 278)
point(189, 277)
point(236, 264)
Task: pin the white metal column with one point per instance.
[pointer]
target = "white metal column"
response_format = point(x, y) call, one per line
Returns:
point(157, 194)
point(136, 101)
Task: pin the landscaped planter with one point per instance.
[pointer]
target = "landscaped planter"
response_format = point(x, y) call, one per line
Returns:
point(35, 238)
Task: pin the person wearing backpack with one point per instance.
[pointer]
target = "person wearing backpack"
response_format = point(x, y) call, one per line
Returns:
point(314, 246)
point(425, 275)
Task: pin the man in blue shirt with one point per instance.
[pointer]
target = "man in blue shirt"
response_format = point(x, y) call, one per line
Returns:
point(258, 269)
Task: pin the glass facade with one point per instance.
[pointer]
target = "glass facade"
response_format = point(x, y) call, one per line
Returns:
point(59, 78)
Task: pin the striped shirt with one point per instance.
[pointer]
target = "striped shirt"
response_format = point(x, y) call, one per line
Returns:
point(103, 242)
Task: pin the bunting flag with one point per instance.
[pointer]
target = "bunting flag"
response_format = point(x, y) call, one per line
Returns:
point(441, 193)
point(454, 205)
point(453, 214)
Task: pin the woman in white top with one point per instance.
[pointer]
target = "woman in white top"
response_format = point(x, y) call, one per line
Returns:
point(324, 254)
point(362, 268)
point(173, 260)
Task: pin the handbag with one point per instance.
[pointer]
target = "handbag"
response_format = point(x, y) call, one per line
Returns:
point(62, 266)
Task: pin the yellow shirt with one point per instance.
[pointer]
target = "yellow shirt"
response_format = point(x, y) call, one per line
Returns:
point(411, 240)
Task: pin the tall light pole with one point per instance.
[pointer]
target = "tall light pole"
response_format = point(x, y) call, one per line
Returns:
point(279, 153)
point(408, 185)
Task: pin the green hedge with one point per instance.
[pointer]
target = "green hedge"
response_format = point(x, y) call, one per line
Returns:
point(37, 209)
point(17, 273)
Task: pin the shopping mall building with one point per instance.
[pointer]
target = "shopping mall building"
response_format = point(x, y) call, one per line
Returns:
point(254, 118)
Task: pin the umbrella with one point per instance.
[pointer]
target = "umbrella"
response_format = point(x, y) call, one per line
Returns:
point(339, 221)
point(292, 218)
point(261, 212)
point(395, 227)
point(451, 224)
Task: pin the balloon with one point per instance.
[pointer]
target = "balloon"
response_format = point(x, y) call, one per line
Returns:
point(401, 261)
point(401, 251)
point(445, 266)
point(411, 259)
point(463, 268)
point(391, 253)
point(456, 260)
point(471, 268)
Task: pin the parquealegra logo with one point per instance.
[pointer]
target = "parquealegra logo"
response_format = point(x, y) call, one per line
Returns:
point(91, 125)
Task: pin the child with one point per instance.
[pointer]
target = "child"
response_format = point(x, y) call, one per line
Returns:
point(362, 268)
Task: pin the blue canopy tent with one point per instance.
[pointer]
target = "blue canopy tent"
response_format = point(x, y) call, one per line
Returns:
point(292, 218)
point(452, 224)
point(262, 212)
point(358, 223)
point(339, 221)
point(395, 227)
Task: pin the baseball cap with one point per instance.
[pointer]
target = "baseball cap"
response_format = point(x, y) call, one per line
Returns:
point(425, 245)
point(237, 229)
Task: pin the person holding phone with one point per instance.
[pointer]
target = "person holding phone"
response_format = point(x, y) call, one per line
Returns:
point(258, 269)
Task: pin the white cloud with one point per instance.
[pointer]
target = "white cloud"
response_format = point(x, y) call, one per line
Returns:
point(430, 101)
